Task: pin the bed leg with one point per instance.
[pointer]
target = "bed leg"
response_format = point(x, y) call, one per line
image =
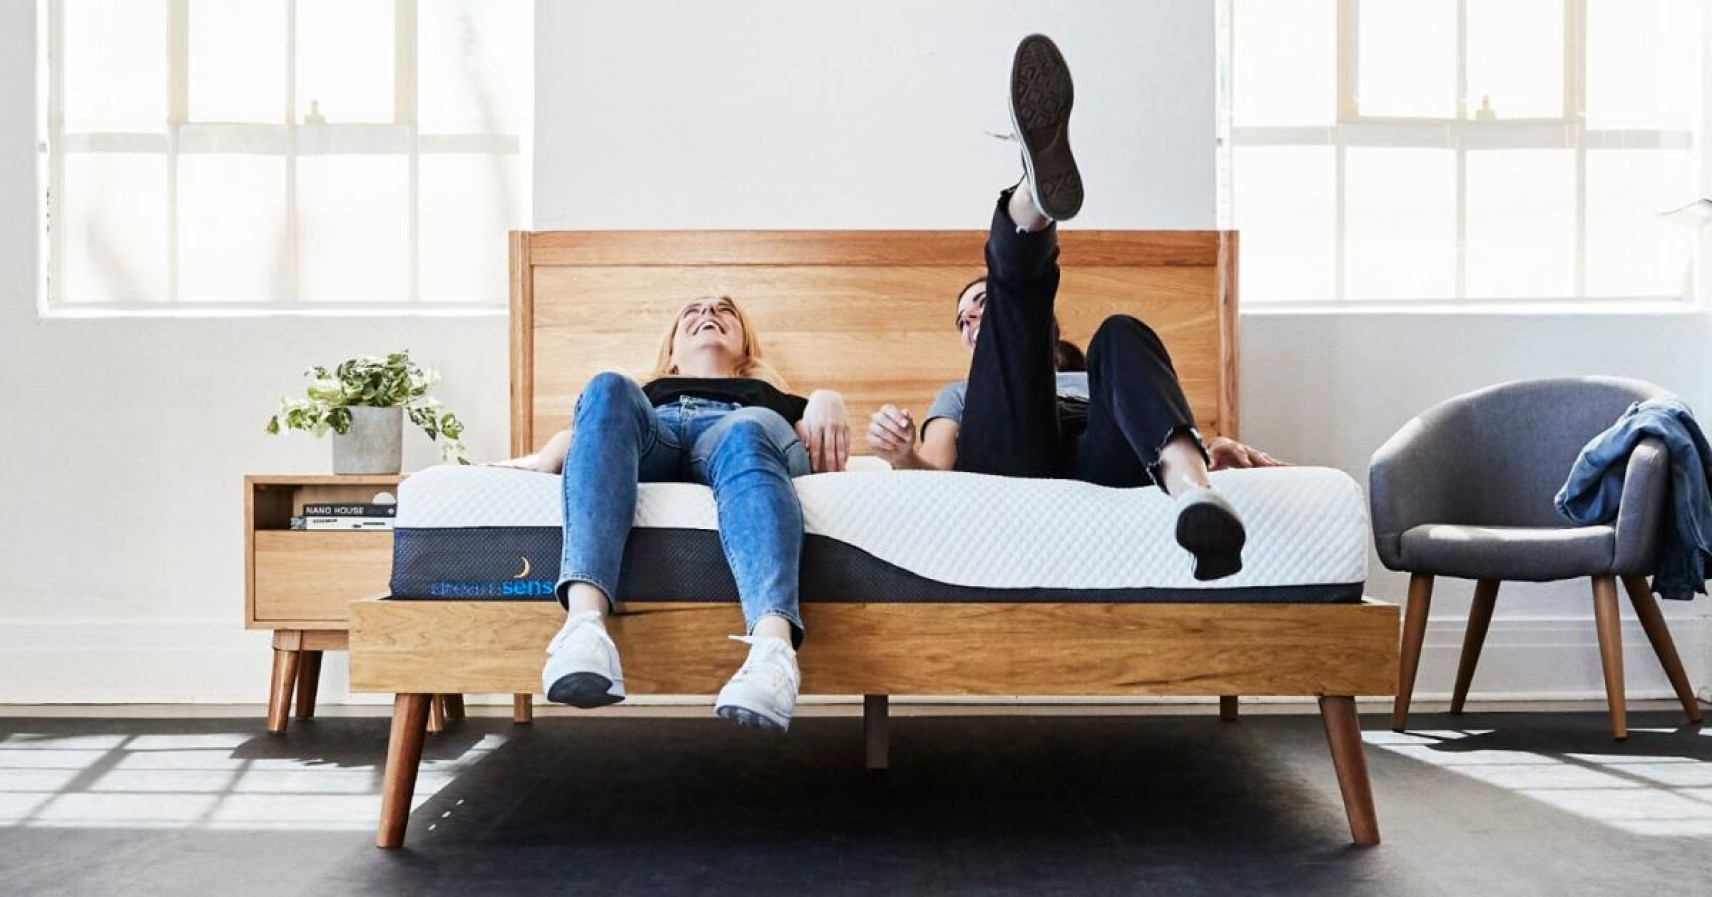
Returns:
point(1227, 708)
point(403, 757)
point(454, 707)
point(875, 723)
point(522, 709)
point(1343, 733)
point(436, 714)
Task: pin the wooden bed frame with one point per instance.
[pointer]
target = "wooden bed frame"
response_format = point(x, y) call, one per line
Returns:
point(870, 313)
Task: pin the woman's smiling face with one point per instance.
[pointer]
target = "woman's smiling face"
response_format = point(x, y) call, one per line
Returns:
point(709, 324)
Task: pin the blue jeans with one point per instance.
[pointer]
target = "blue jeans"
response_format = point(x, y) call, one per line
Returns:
point(747, 454)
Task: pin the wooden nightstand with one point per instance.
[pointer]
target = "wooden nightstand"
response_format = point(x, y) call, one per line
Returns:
point(298, 583)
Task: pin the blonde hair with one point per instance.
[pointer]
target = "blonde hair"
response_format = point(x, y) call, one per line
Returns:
point(752, 365)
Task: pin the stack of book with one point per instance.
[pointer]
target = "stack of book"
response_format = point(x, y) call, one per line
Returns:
point(346, 515)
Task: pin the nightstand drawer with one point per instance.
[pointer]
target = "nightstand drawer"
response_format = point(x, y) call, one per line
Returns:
point(305, 576)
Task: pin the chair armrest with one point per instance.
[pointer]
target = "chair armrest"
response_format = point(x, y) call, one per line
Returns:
point(1414, 479)
point(1641, 509)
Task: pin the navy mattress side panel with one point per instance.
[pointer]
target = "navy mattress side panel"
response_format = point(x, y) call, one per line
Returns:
point(522, 563)
point(513, 563)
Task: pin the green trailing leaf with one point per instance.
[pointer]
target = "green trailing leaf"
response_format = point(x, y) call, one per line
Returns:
point(372, 381)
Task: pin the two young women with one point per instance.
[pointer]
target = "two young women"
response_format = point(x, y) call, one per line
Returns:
point(716, 414)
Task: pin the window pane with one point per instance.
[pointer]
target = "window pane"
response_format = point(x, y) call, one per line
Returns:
point(1521, 224)
point(345, 60)
point(468, 203)
point(1630, 250)
point(1643, 63)
point(353, 228)
point(114, 228)
point(1285, 210)
point(1407, 64)
point(476, 66)
point(114, 76)
point(1515, 58)
point(231, 218)
point(1284, 62)
point(237, 61)
point(1400, 223)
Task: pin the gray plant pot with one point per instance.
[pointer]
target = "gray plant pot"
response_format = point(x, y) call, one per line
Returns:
point(374, 443)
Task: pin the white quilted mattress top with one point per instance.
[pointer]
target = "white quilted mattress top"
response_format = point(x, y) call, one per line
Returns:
point(1306, 525)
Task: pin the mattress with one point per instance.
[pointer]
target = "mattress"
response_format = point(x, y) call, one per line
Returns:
point(877, 536)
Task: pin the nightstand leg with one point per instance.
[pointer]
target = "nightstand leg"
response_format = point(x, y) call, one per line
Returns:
point(279, 693)
point(308, 683)
point(436, 714)
point(522, 709)
point(454, 707)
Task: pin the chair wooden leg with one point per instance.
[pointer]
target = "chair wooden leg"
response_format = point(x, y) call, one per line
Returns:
point(308, 683)
point(1227, 708)
point(1409, 659)
point(1652, 620)
point(1479, 619)
point(522, 709)
point(1343, 733)
point(1610, 627)
point(454, 705)
point(279, 692)
point(403, 758)
point(875, 730)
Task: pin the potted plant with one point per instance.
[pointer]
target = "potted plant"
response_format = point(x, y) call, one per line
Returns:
point(363, 401)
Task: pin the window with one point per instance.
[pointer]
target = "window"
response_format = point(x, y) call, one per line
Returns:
point(285, 154)
point(1463, 149)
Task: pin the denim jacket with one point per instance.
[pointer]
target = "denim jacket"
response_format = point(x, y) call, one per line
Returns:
point(1595, 484)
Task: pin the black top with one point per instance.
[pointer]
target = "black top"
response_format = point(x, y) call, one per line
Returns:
point(741, 390)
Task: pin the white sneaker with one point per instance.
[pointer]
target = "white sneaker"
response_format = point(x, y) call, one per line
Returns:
point(1210, 529)
point(764, 692)
point(582, 664)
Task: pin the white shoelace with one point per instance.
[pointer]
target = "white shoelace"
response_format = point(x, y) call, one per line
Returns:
point(574, 624)
point(770, 658)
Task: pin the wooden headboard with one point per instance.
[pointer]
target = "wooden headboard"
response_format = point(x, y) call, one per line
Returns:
point(868, 313)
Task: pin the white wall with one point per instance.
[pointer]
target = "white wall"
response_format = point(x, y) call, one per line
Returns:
point(753, 114)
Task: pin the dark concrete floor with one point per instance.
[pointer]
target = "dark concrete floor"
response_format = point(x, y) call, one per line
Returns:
point(1535, 803)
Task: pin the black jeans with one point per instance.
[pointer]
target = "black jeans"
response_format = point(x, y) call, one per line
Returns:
point(1011, 423)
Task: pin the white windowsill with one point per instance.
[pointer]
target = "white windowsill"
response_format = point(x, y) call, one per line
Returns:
point(107, 313)
point(1506, 307)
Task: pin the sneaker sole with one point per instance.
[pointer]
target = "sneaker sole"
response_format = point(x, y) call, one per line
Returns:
point(1214, 537)
point(1042, 95)
point(749, 719)
point(585, 690)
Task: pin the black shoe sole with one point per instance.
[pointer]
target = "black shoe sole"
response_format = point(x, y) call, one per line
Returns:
point(747, 718)
point(584, 690)
point(1215, 537)
point(1041, 97)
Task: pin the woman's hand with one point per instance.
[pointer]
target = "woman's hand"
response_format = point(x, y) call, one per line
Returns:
point(550, 459)
point(825, 429)
point(891, 436)
point(1228, 453)
point(527, 462)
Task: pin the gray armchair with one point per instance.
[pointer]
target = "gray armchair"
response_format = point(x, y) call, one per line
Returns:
point(1466, 490)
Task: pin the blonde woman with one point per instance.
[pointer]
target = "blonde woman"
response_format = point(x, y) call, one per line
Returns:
point(713, 413)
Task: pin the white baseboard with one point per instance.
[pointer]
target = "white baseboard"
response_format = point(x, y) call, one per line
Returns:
point(214, 661)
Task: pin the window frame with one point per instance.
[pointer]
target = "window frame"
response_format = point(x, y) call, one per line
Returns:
point(1461, 135)
point(402, 138)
